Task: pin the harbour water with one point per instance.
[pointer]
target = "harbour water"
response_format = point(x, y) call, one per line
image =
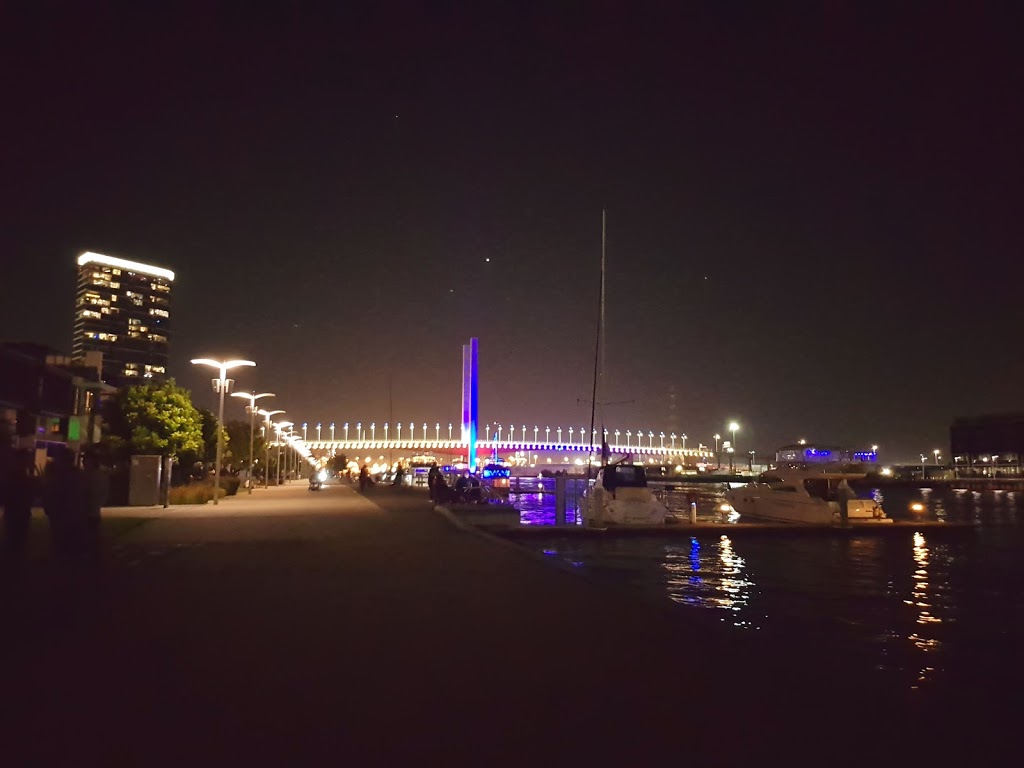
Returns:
point(917, 608)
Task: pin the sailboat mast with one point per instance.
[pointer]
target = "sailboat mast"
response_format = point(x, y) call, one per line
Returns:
point(598, 346)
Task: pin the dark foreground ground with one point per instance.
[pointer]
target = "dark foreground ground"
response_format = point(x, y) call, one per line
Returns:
point(293, 628)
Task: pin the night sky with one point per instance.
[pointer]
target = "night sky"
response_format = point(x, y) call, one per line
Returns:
point(813, 209)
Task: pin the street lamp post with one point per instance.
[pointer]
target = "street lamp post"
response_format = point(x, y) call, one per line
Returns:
point(437, 431)
point(251, 408)
point(359, 431)
point(332, 431)
point(650, 436)
point(280, 427)
point(266, 444)
point(399, 428)
point(617, 433)
point(718, 456)
point(345, 427)
point(304, 425)
point(570, 435)
point(661, 437)
point(683, 438)
point(424, 431)
point(559, 430)
point(734, 428)
point(449, 431)
point(628, 436)
point(547, 434)
point(318, 426)
point(536, 429)
point(221, 385)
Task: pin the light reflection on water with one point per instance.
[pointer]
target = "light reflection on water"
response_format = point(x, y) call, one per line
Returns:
point(916, 607)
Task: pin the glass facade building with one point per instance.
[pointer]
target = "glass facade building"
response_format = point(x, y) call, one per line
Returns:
point(123, 310)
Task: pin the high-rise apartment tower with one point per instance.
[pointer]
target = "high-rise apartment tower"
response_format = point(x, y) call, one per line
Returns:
point(123, 309)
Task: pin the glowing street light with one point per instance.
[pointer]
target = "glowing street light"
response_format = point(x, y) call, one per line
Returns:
point(385, 431)
point(221, 385)
point(304, 425)
point(628, 435)
point(266, 444)
point(617, 433)
point(332, 431)
point(318, 426)
point(399, 428)
point(251, 408)
point(424, 431)
point(559, 435)
point(570, 436)
point(547, 434)
point(650, 435)
point(437, 432)
point(536, 429)
point(734, 428)
point(524, 433)
point(936, 452)
point(683, 437)
point(373, 430)
point(449, 431)
point(281, 427)
point(662, 438)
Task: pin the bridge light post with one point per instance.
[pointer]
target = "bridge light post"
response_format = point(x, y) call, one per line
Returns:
point(617, 433)
point(488, 432)
point(559, 435)
point(524, 433)
point(385, 431)
point(583, 436)
point(399, 427)
point(359, 431)
point(304, 425)
point(593, 437)
point(570, 435)
point(251, 408)
point(547, 434)
point(673, 436)
point(651, 436)
point(535, 431)
point(662, 438)
point(449, 431)
point(437, 432)
point(683, 436)
point(498, 434)
point(346, 431)
point(628, 435)
point(373, 430)
point(318, 426)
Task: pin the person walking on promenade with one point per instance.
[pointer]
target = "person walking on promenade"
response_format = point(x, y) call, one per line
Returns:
point(432, 477)
point(21, 495)
point(399, 476)
point(64, 503)
point(364, 478)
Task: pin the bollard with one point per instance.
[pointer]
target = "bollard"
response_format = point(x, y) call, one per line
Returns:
point(693, 512)
point(560, 500)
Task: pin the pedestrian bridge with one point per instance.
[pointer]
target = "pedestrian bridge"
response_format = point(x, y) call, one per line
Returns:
point(426, 446)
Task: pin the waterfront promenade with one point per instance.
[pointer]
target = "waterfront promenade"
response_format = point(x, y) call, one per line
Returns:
point(294, 628)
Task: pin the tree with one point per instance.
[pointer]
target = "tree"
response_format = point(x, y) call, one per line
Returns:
point(153, 418)
point(238, 434)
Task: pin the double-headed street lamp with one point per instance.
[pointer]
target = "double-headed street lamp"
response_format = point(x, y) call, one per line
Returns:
point(266, 444)
point(221, 385)
point(251, 408)
point(281, 427)
point(734, 428)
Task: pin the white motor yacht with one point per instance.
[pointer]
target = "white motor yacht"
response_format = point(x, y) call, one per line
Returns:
point(805, 495)
point(620, 496)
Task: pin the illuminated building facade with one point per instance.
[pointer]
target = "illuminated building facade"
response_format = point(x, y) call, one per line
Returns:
point(123, 310)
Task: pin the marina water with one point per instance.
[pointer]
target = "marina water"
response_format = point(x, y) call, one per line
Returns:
point(916, 608)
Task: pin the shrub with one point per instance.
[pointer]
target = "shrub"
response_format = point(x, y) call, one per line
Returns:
point(197, 493)
point(230, 485)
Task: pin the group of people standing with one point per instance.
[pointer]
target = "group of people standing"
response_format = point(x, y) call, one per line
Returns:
point(71, 497)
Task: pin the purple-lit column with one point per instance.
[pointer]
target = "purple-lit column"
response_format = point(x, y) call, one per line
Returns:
point(470, 401)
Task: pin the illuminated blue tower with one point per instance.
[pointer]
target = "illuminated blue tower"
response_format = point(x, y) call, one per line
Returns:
point(470, 401)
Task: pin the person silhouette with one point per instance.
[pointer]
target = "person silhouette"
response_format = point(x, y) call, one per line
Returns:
point(22, 485)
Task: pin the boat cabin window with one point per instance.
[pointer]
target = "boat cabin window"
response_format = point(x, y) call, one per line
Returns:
point(827, 489)
point(624, 476)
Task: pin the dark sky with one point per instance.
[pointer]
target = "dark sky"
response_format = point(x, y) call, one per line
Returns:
point(813, 209)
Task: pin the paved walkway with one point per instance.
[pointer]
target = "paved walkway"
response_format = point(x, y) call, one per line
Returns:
point(295, 628)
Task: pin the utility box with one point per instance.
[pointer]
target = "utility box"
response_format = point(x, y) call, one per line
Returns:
point(144, 481)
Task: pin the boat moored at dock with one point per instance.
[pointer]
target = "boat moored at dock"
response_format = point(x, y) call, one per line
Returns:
point(814, 495)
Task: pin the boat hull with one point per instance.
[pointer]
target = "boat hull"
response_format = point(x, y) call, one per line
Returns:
point(793, 508)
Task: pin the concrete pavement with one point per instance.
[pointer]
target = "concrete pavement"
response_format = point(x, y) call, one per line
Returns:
point(298, 628)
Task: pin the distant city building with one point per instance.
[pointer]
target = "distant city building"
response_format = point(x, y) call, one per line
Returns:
point(988, 445)
point(822, 454)
point(123, 310)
